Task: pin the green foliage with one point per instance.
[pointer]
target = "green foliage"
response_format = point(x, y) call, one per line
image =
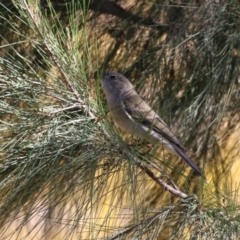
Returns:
point(65, 172)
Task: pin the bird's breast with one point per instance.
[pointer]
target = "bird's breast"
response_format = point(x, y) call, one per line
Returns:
point(127, 124)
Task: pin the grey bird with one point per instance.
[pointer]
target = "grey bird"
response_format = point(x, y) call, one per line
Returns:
point(133, 115)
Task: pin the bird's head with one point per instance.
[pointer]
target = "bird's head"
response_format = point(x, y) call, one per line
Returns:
point(115, 84)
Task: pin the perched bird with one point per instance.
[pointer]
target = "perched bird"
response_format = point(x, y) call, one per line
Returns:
point(133, 115)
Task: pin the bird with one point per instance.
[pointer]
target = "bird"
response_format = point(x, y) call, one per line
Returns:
point(134, 116)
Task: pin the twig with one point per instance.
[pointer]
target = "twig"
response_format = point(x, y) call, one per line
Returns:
point(159, 181)
point(35, 16)
point(156, 179)
point(157, 168)
point(147, 221)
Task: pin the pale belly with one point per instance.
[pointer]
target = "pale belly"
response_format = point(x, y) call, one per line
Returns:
point(139, 131)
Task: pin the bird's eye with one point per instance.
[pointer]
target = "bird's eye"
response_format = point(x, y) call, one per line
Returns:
point(114, 78)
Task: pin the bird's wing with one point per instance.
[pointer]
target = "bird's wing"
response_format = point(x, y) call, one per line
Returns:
point(142, 112)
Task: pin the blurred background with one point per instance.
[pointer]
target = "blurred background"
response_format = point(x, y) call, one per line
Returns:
point(66, 172)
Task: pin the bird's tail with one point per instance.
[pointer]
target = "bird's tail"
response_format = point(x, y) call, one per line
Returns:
point(188, 160)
